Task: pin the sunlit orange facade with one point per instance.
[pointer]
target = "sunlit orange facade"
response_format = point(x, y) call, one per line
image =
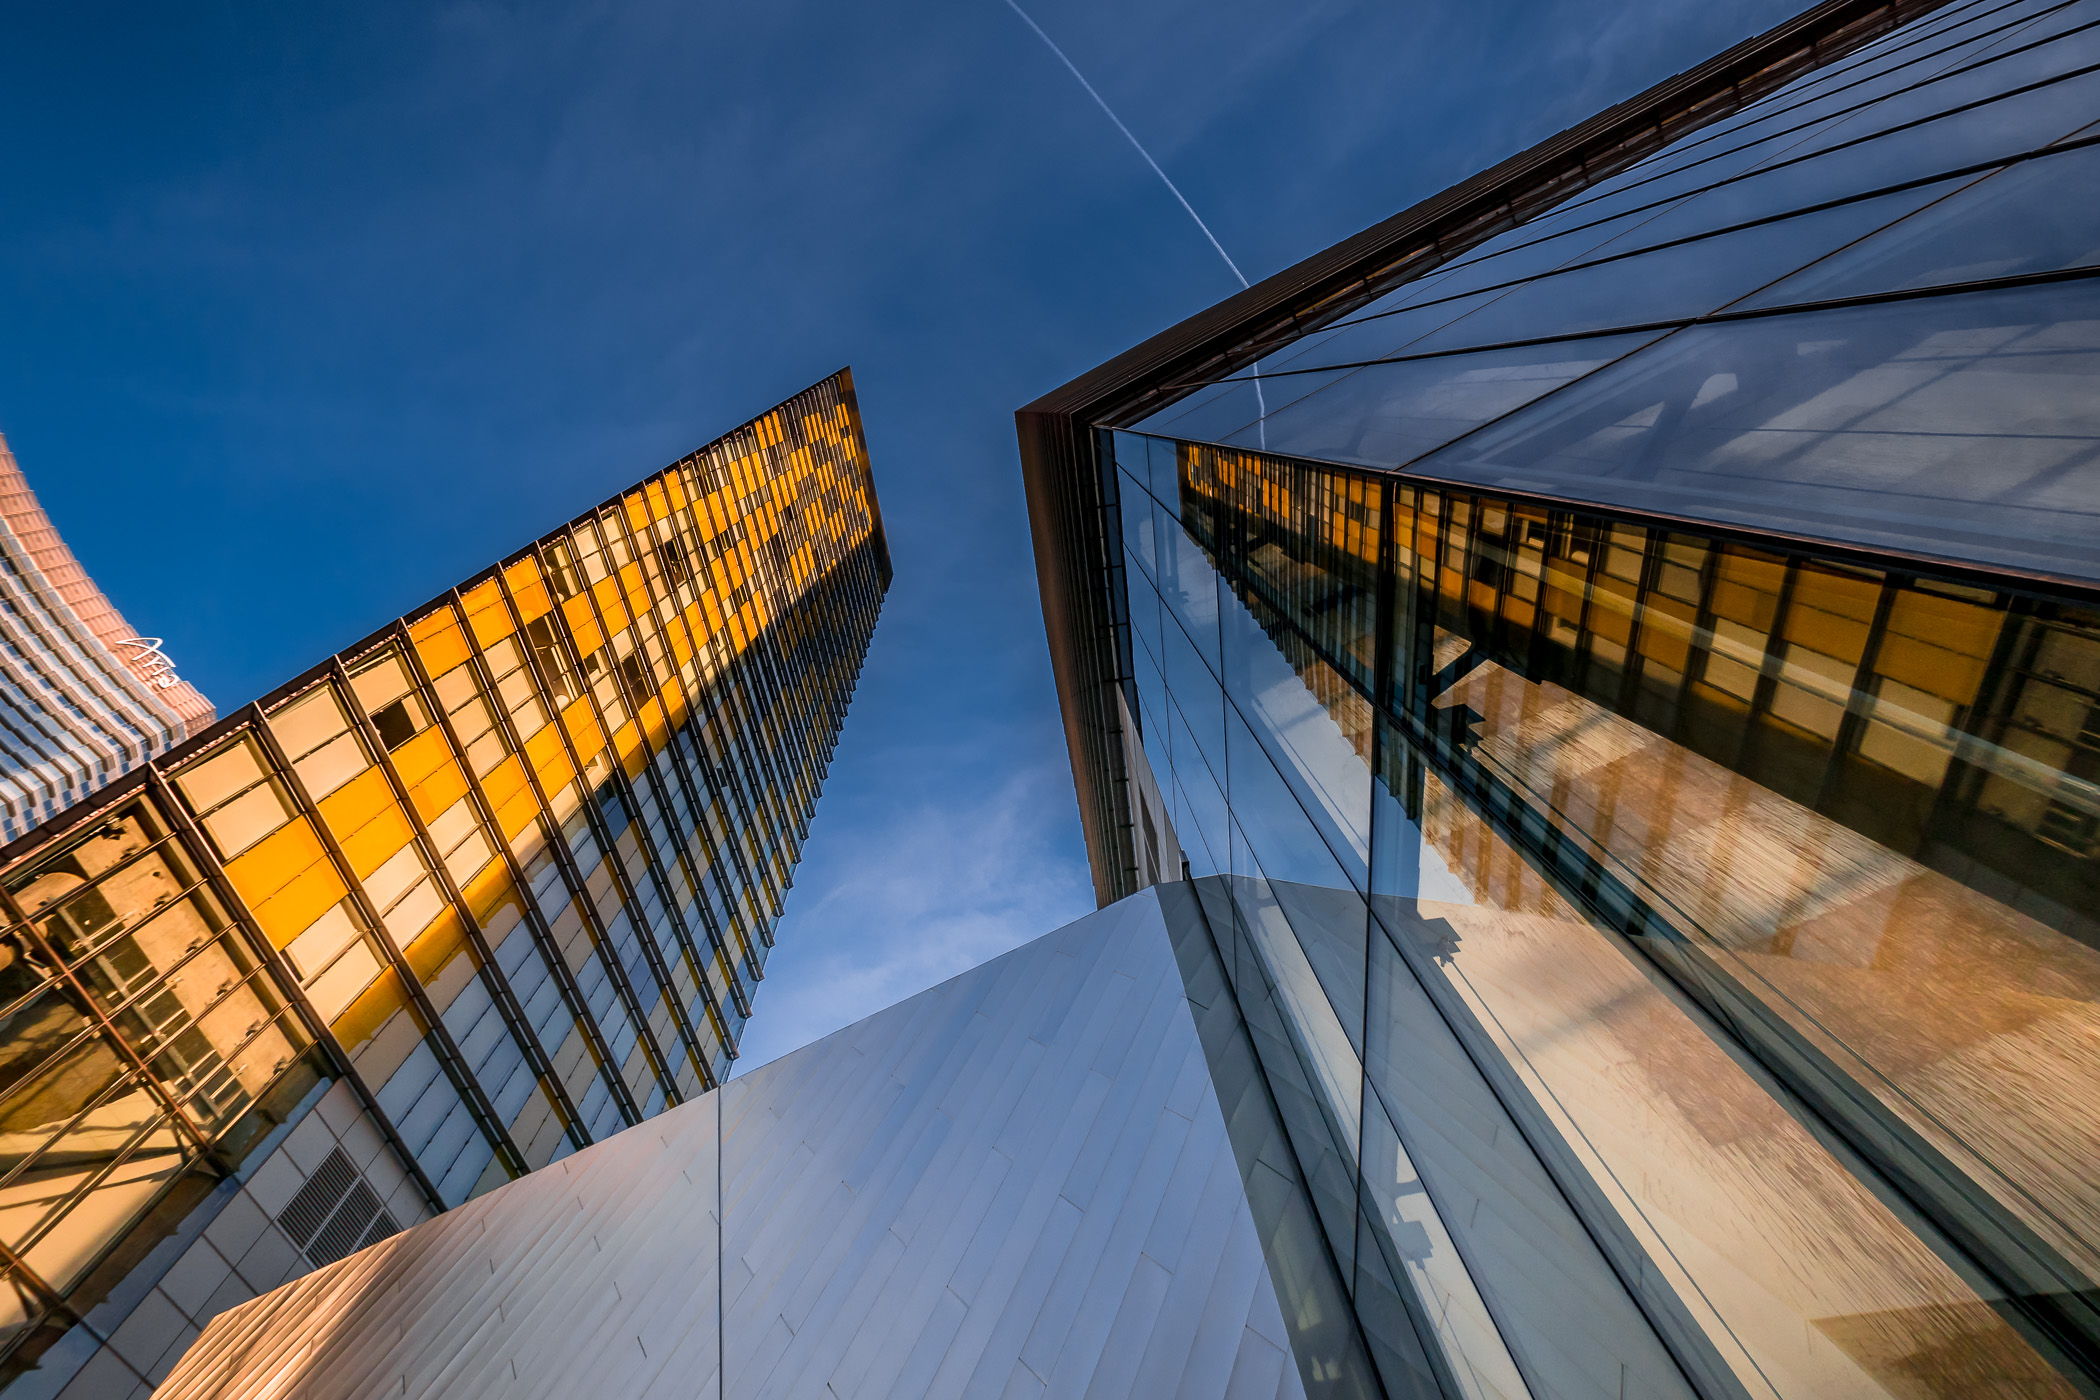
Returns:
point(493, 884)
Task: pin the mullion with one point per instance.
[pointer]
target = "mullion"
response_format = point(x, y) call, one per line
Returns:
point(681, 1016)
point(435, 1032)
point(511, 1009)
point(681, 852)
point(645, 939)
point(558, 845)
point(559, 855)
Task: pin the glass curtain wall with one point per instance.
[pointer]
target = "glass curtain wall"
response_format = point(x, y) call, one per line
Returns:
point(145, 1051)
point(1640, 681)
point(1862, 309)
point(515, 864)
point(1685, 948)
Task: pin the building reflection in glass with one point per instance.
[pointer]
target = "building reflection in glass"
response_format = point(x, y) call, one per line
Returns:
point(1717, 912)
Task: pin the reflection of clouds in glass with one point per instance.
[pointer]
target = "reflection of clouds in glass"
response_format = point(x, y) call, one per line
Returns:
point(1753, 1223)
point(1800, 901)
point(1882, 425)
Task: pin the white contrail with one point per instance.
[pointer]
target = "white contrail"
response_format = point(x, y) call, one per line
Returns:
point(1136, 145)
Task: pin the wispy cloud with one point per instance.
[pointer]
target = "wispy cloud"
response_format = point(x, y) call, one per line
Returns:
point(886, 909)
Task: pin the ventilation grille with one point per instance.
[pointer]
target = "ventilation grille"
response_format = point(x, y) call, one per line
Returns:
point(382, 1226)
point(317, 1200)
point(335, 1214)
point(345, 1232)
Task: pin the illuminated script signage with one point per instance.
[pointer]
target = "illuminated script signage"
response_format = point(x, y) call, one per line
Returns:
point(151, 663)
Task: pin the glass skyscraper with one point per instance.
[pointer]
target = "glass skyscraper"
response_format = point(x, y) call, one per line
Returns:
point(83, 698)
point(1584, 701)
point(1613, 652)
point(481, 890)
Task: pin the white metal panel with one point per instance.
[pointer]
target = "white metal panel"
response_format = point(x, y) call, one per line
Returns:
point(1015, 1184)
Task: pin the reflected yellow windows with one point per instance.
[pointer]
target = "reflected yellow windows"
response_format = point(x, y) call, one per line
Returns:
point(235, 796)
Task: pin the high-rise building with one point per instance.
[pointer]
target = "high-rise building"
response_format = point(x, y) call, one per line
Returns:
point(1583, 702)
point(83, 698)
point(1615, 650)
point(483, 889)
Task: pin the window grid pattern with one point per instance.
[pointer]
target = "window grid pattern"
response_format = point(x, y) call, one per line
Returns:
point(1858, 311)
point(513, 865)
point(1827, 799)
point(83, 699)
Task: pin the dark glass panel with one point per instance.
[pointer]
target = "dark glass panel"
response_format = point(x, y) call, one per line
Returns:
point(1145, 621)
point(1312, 1069)
point(1326, 1342)
point(1139, 540)
point(1199, 816)
point(2008, 225)
point(1651, 276)
point(1388, 415)
point(1314, 730)
point(1963, 426)
point(1163, 461)
point(1195, 689)
point(1205, 838)
point(1188, 590)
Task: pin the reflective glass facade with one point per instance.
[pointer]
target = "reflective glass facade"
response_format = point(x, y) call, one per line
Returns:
point(1861, 310)
point(501, 880)
point(1623, 693)
point(1520, 881)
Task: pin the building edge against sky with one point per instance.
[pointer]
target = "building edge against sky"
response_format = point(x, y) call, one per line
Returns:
point(83, 697)
point(1615, 649)
point(1018, 1179)
point(484, 888)
point(1632, 951)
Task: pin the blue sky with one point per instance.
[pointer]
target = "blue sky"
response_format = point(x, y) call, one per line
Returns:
point(307, 312)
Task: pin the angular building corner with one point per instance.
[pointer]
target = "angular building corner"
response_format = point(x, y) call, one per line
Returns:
point(483, 889)
point(1584, 701)
point(1019, 1179)
point(1615, 650)
point(84, 699)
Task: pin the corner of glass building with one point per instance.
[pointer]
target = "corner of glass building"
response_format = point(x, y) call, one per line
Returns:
point(1584, 704)
point(1615, 685)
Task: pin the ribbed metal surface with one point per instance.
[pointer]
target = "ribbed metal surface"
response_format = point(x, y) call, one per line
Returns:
point(1018, 1183)
point(83, 697)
